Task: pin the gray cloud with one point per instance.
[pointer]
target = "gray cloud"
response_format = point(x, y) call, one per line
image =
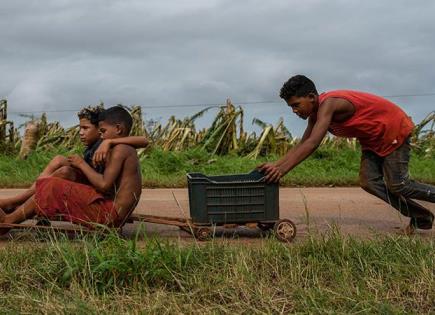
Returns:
point(65, 54)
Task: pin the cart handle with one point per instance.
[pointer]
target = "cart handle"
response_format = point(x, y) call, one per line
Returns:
point(206, 178)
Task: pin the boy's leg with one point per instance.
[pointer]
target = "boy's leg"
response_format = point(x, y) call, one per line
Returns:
point(372, 181)
point(56, 163)
point(54, 168)
point(76, 202)
point(20, 214)
point(398, 181)
point(9, 204)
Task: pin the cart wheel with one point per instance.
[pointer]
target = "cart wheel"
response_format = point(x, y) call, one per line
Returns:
point(202, 233)
point(285, 230)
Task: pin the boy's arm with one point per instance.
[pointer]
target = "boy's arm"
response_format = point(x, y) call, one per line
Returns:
point(305, 136)
point(305, 148)
point(102, 182)
point(134, 141)
point(102, 152)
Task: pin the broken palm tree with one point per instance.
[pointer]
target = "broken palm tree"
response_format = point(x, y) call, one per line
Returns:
point(53, 135)
point(336, 143)
point(178, 134)
point(225, 135)
point(8, 134)
point(30, 139)
point(272, 140)
point(423, 137)
point(221, 138)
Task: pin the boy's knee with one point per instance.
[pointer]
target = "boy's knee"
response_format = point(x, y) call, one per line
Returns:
point(59, 161)
point(65, 172)
point(367, 187)
point(398, 188)
point(366, 184)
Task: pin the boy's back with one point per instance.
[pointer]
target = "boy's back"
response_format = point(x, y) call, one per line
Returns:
point(128, 184)
point(379, 125)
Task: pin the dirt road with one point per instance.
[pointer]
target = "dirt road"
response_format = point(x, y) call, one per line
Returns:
point(352, 210)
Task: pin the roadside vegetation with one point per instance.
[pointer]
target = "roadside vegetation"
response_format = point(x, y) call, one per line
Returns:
point(324, 274)
point(316, 275)
point(225, 147)
point(326, 167)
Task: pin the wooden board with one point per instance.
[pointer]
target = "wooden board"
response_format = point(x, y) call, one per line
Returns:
point(71, 228)
point(53, 225)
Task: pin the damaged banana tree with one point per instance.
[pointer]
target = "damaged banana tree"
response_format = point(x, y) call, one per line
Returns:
point(222, 137)
point(272, 140)
point(423, 137)
point(8, 133)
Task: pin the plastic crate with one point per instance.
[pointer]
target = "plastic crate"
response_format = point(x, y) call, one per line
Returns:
point(241, 198)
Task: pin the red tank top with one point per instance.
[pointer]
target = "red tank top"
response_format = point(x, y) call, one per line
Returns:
point(378, 124)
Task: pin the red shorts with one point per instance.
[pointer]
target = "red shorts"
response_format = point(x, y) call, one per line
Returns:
point(80, 177)
point(77, 203)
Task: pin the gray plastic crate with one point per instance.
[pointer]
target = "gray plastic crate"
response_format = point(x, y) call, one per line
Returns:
point(227, 199)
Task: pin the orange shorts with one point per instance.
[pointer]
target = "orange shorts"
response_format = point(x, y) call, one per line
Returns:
point(77, 203)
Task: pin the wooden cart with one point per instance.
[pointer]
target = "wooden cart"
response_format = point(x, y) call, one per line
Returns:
point(284, 229)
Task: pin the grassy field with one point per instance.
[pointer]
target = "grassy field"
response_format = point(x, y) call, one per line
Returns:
point(326, 274)
point(168, 169)
point(319, 275)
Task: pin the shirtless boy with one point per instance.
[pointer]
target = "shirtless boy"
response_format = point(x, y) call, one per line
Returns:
point(113, 194)
point(383, 130)
point(95, 155)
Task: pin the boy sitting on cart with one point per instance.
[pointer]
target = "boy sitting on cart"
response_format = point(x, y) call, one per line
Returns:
point(109, 198)
point(95, 154)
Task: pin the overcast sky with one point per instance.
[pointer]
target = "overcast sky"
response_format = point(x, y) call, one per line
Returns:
point(61, 55)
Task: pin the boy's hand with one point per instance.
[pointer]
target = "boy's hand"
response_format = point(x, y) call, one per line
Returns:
point(76, 160)
point(272, 172)
point(102, 152)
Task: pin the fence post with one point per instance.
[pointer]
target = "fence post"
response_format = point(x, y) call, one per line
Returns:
point(3, 119)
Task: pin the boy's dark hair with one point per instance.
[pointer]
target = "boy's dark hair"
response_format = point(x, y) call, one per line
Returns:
point(117, 115)
point(298, 85)
point(91, 113)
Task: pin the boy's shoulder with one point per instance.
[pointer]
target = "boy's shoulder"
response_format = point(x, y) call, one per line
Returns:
point(123, 151)
point(124, 148)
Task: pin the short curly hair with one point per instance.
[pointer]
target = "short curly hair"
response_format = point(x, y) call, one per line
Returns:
point(91, 113)
point(117, 115)
point(298, 85)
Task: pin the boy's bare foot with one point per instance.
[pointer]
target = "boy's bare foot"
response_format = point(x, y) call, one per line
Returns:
point(409, 230)
point(2, 220)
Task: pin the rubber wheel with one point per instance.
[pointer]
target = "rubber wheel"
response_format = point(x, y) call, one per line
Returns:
point(203, 233)
point(285, 230)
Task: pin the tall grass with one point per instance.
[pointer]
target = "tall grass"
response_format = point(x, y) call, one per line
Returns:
point(329, 274)
point(168, 169)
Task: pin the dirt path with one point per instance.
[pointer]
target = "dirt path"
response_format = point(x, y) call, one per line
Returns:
point(352, 210)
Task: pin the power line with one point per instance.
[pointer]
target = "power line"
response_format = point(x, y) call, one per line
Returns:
point(207, 104)
point(154, 106)
point(410, 95)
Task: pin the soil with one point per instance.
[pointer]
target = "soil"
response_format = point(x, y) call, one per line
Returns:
point(314, 210)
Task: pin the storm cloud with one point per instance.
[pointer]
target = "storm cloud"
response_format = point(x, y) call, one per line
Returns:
point(61, 55)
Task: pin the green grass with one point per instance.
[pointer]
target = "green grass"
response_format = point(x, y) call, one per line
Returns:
point(168, 169)
point(327, 274)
